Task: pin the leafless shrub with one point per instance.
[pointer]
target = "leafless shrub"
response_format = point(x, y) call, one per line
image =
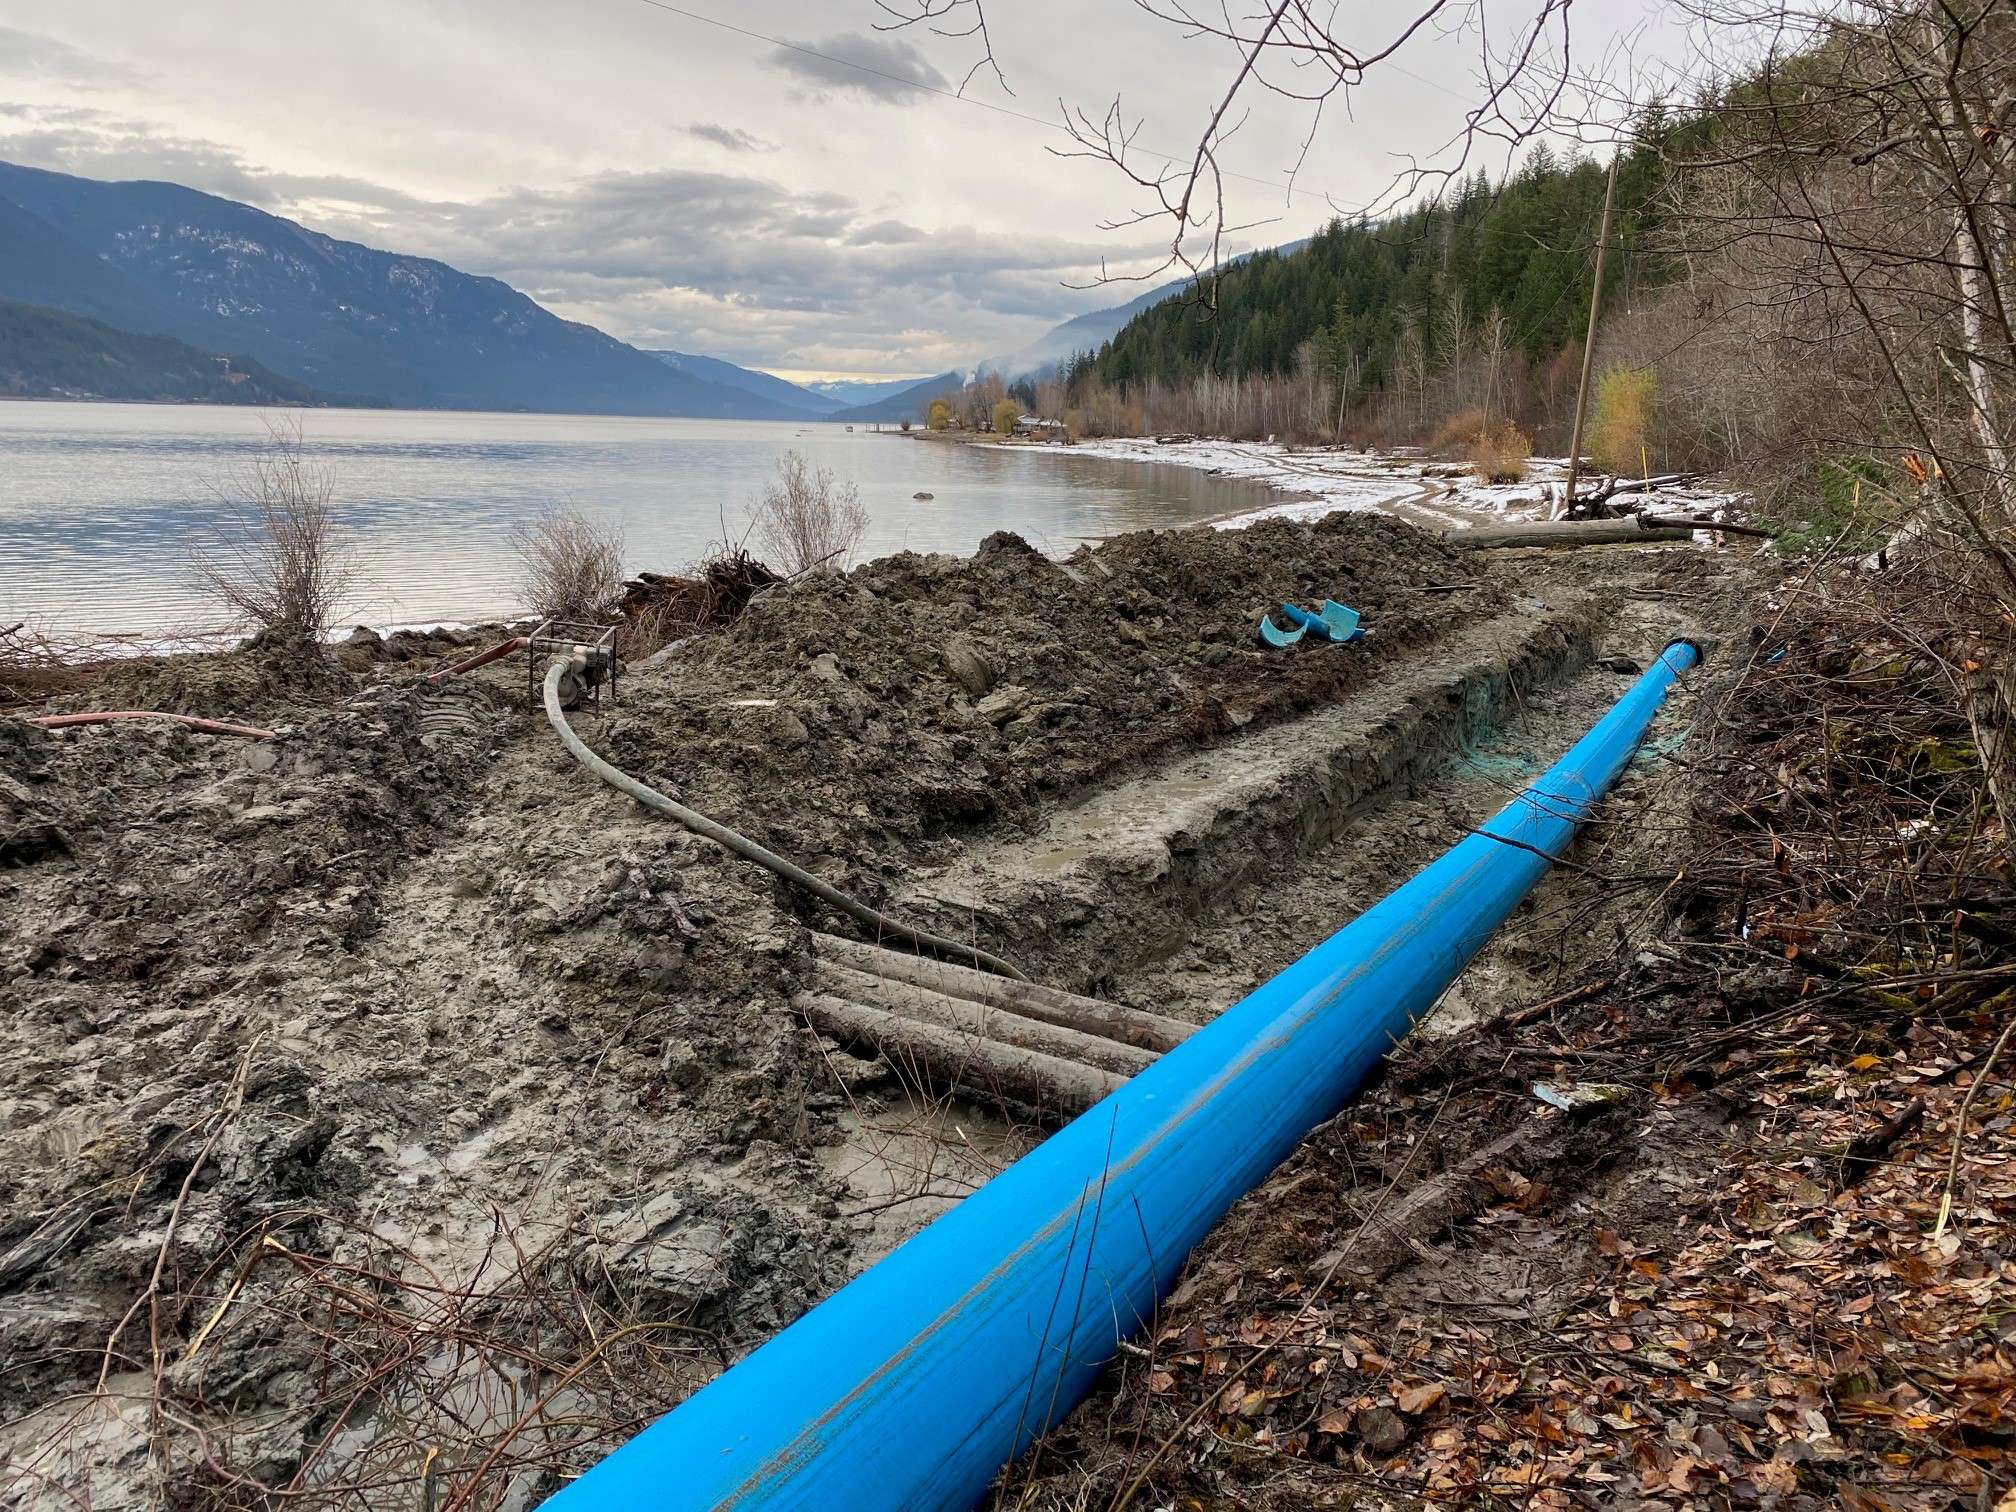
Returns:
point(805, 519)
point(1848, 221)
point(569, 566)
point(279, 562)
point(520, 1374)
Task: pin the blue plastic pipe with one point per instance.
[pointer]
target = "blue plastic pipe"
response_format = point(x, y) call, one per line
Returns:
point(915, 1383)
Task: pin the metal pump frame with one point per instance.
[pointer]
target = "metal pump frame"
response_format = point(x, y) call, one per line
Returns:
point(594, 644)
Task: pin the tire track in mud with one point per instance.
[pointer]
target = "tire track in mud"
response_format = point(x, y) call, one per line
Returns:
point(457, 1082)
point(549, 954)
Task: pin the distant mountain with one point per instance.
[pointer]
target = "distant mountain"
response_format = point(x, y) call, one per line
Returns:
point(39, 265)
point(905, 404)
point(345, 318)
point(51, 354)
point(1092, 330)
point(849, 392)
point(750, 381)
point(1082, 333)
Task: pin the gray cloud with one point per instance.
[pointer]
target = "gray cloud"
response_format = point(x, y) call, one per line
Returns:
point(734, 138)
point(882, 68)
point(30, 55)
point(954, 233)
point(727, 263)
point(99, 144)
point(748, 269)
point(885, 233)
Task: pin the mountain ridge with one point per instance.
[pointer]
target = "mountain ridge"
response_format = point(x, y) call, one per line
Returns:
point(152, 258)
point(336, 315)
point(749, 380)
point(906, 404)
point(53, 354)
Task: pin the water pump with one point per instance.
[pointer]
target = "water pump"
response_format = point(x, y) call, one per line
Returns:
point(589, 652)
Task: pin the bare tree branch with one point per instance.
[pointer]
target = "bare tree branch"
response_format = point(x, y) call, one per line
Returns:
point(1295, 50)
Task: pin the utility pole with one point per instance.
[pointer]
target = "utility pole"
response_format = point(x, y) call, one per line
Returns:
point(1589, 341)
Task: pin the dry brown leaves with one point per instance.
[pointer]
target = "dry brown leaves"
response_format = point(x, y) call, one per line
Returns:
point(1733, 1287)
point(1764, 1335)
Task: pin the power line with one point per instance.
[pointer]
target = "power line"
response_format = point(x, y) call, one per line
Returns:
point(1000, 110)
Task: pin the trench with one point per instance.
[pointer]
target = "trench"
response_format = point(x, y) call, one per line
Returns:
point(1133, 873)
point(1179, 889)
point(897, 1350)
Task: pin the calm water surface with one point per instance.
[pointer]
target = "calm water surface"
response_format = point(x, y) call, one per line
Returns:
point(101, 505)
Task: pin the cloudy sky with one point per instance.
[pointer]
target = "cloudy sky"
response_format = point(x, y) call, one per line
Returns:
point(682, 184)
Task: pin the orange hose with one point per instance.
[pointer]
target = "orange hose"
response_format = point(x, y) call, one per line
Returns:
point(481, 659)
point(207, 726)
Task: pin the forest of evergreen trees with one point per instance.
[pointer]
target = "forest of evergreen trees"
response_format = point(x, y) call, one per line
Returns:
point(1472, 301)
point(1522, 253)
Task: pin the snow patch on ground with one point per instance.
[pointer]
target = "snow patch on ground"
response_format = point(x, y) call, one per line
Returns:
point(1319, 481)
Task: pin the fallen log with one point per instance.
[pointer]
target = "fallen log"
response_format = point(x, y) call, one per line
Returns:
point(931, 1051)
point(1113, 1021)
point(1625, 532)
point(963, 1016)
point(1865, 1151)
point(1610, 488)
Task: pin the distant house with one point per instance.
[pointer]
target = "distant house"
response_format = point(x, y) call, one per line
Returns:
point(1041, 429)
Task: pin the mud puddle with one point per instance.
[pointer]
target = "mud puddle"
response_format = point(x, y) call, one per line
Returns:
point(904, 1160)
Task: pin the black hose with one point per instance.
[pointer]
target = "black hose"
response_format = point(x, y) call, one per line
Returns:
point(868, 918)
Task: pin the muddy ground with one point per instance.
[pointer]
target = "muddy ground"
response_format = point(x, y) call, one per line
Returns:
point(394, 1111)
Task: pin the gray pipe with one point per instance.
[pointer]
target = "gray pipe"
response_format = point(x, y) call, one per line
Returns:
point(868, 918)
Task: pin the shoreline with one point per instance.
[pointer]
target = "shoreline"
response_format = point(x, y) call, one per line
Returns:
point(1302, 484)
point(1435, 494)
point(1311, 483)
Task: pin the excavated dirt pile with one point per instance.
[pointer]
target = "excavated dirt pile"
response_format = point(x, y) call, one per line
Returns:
point(884, 713)
point(392, 1106)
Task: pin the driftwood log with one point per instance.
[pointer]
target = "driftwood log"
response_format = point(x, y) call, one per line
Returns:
point(952, 1056)
point(1625, 532)
point(1629, 531)
point(1610, 488)
point(1113, 1021)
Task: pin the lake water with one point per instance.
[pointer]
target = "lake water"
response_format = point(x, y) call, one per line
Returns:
point(101, 505)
